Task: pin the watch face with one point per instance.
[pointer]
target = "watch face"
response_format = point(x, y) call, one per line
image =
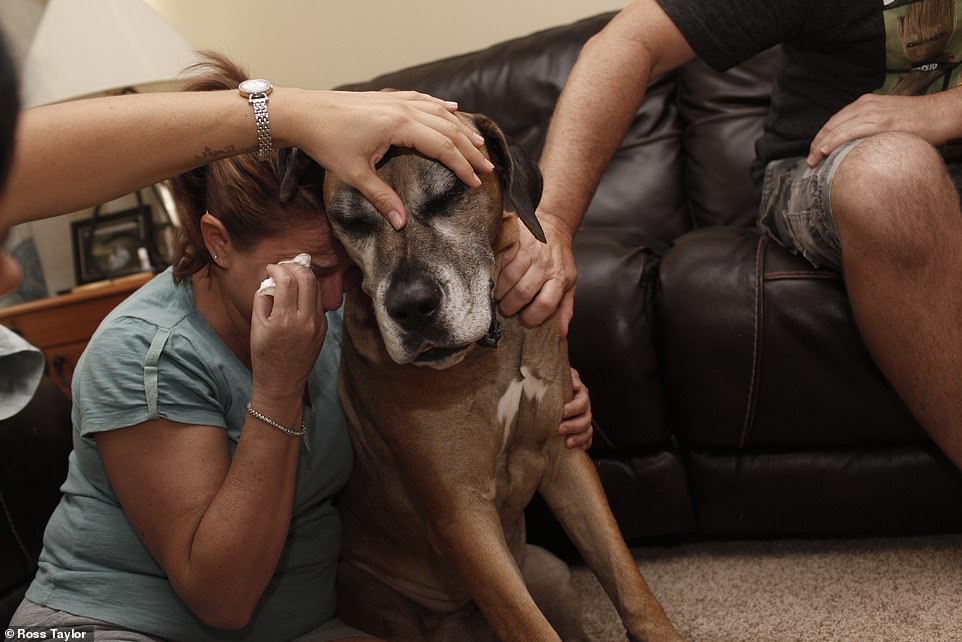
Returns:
point(255, 86)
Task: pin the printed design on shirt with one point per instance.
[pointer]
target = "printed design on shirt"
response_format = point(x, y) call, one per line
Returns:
point(923, 46)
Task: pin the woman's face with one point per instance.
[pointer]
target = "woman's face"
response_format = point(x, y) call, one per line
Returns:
point(333, 268)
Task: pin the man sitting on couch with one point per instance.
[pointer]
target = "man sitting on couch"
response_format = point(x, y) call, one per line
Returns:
point(848, 170)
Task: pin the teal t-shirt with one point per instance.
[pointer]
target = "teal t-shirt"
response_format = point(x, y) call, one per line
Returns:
point(155, 357)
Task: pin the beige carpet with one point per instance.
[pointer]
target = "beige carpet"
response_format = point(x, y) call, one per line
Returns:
point(885, 590)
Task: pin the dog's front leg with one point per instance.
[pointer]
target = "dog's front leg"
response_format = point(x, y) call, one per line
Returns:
point(573, 491)
point(472, 539)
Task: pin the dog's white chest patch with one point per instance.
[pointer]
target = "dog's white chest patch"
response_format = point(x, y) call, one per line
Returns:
point(527, 387)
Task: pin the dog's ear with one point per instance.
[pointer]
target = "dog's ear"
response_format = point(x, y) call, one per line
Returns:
point(520, 177)
point(297, 170)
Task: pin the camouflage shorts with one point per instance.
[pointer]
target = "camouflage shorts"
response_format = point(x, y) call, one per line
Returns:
point(796, 207)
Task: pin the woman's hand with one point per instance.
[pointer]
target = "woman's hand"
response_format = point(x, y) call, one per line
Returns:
point(348, 133)
point(287, 331)
point(576, 422)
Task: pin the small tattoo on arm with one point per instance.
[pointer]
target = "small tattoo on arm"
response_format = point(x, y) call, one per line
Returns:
point(213, 154)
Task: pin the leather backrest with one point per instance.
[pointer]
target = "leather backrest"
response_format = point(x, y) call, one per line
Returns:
point(722, 116)
point(517, 83)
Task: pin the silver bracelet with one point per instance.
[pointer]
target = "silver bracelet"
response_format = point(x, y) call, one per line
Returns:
point(273, 424)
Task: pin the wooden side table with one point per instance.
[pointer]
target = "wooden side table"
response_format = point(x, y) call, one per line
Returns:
point(62, 325)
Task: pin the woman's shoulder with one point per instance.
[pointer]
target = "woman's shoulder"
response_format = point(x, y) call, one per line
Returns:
point(160, 302)
point(150, 349)
point(160, 315)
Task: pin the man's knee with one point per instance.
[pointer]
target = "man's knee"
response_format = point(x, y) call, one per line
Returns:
point(892, 195)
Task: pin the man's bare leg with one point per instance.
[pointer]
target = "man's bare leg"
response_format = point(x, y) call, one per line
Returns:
point(900, 225)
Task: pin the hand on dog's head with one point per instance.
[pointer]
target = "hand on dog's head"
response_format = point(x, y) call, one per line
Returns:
point(518, 174)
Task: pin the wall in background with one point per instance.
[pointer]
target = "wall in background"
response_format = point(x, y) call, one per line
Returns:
point(320, 44)
point(19, 19)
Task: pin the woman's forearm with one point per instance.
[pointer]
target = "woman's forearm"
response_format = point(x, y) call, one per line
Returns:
point(240, 538)
point(216, 524)
point(74, 155)
point(77, 154)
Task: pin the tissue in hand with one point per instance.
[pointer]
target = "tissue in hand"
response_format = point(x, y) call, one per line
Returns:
point(268, 285)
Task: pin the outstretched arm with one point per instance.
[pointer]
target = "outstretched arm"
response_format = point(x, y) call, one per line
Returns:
point(600, 98)
point(73, 155)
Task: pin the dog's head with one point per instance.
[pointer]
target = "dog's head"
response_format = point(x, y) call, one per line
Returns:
point(431, 282)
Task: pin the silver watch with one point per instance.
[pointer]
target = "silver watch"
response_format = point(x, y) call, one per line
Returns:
point(256, 91)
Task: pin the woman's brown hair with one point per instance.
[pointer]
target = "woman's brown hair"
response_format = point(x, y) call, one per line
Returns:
point(241, 191)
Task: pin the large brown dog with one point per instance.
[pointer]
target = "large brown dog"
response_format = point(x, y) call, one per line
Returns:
point(452, 438)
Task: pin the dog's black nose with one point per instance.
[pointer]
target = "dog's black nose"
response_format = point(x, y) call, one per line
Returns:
point(413, 302)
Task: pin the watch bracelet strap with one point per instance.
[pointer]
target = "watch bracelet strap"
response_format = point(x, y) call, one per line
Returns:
point(263, 122)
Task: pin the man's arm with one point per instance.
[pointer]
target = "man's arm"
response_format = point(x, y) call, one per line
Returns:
point(599, 101)
point(936, 118)
point(600, 98)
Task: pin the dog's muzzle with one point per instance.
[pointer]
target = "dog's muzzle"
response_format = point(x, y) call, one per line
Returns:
point(491, 339)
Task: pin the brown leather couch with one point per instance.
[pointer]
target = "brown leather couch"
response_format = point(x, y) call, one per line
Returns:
point(732, 393)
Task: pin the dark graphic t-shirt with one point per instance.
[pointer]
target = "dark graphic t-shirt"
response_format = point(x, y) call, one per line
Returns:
point(833, 52)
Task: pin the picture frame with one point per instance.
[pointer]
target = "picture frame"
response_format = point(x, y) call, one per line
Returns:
point(107, 246)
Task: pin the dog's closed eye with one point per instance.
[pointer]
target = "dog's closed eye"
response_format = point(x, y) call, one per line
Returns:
point(357, 227)
point(442, 203)
point(349, 212)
